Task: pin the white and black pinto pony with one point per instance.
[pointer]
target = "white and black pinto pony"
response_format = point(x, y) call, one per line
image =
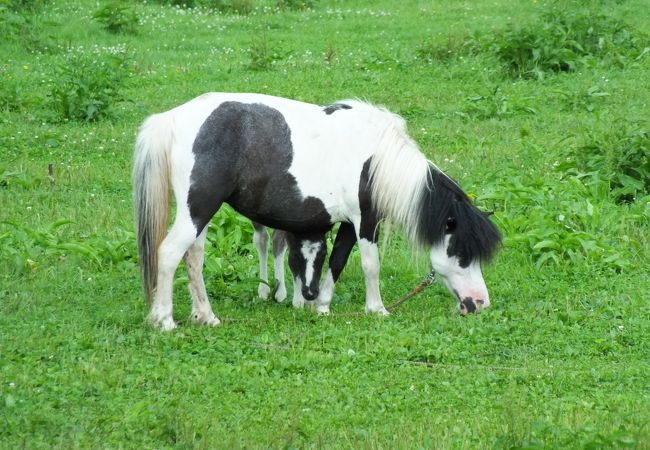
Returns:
point(298, 167)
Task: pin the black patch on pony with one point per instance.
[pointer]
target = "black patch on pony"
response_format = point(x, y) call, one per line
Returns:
point(369, 227)
point(335, 107)
point(242, 155)
point(446, 209)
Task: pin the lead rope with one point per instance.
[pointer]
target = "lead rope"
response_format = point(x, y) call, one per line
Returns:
point(428, 281)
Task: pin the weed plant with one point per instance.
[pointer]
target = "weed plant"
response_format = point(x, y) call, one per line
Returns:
point(86, 86)
point(117, 17)
point(564, 40)
point(231, 6)
point(619, 159)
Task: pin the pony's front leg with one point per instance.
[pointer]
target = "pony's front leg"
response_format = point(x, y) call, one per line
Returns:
point(261, 241)
point(201, 309)
point(298, 300)
point(369, 253)
point(279, 248)
point(345, 239)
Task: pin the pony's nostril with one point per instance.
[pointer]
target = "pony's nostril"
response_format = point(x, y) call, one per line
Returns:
point(309, 294)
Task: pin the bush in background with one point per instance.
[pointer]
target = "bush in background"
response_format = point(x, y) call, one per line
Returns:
point(87, 84)
point(117, 17)
point(562, 40)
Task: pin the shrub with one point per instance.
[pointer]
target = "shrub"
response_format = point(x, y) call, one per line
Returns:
point(87, 84)
point(234, 6)
point(299, 5)
point(17, 24)
point(618, 159)
point(262, 55)
point(555, 220)
point(117, 17)
point(562, 40)
point(454, 47)
point(30, 249)
point(494, 104)
point(229, 234)
point(21, 5)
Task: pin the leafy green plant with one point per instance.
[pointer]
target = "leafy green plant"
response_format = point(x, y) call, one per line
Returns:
point(14, 91)
point(17, 23)
point(454, 47)
point(262, 55)
point(299, 5)
point(563, 39)
point(587, 100)
point(493, 105)
point(554, 219)
point(618, 159)
point(241, 7)
point(87, 84)
point(117, 17)
point(21, 5)
point(31, 248)
point(230, 234)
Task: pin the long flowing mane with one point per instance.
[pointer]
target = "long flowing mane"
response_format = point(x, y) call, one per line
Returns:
point(411, 191)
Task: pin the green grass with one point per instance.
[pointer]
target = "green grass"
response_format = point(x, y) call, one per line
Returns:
point(559, 361)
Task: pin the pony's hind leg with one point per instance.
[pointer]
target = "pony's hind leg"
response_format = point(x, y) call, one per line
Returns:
point(279, 248)
point(261, 241)
point(201, 310)
point(179, 239)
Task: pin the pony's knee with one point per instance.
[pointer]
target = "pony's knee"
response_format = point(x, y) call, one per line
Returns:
point(260, 239)
point(279, 243)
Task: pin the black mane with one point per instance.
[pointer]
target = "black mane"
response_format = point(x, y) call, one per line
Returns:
point(473, 238)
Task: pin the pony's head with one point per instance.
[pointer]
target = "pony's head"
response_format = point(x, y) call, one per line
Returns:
point(306, 258)
point(459, 237)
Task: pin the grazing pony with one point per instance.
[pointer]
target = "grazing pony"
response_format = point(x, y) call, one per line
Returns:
point(306, 258)
point(301, 168)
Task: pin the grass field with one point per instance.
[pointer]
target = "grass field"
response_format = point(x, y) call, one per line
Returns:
point(540, 109)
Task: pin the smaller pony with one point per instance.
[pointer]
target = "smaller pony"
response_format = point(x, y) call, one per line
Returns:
point(306, 258)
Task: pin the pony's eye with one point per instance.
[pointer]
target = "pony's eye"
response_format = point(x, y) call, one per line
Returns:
point(450, 227)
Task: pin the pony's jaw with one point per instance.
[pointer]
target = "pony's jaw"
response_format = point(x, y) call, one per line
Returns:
point(465, 283)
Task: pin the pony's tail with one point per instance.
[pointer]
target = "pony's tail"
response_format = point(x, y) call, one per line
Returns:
point(151, 190)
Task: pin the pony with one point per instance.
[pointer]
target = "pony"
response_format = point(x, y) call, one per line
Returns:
point(306, 259)
point(300, 168)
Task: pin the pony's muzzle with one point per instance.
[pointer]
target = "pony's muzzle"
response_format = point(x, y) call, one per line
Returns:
point(468, 305)
point(309, 294)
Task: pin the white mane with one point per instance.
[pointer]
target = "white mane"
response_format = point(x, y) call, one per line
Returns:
point(398, 172)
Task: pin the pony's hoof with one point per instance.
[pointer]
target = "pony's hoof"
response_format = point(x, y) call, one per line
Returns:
point(209, 320)
point(280, 295)
point(298, 302)
point(322, 310)
point(263, 291)
point(380, 311)
point(165, 323)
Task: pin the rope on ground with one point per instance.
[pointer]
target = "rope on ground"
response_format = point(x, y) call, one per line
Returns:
point(428, 281)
